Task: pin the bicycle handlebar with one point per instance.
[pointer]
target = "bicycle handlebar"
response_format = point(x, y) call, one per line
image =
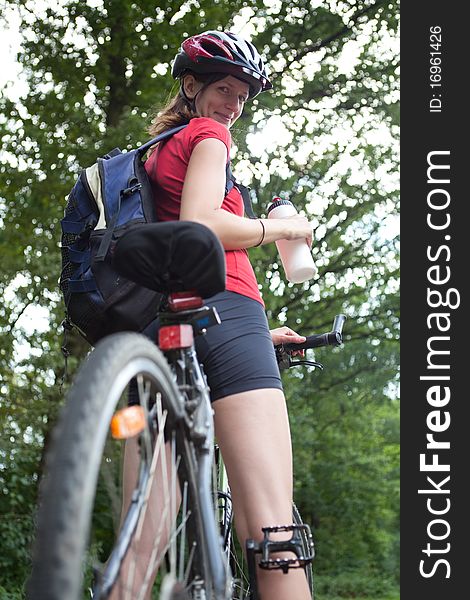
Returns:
point(332, 338)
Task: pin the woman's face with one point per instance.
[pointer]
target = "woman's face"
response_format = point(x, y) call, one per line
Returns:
point(222, 101)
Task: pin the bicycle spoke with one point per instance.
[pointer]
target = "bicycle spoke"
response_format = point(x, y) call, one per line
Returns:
point(157, 452)
point(169, 509)
point(183, 532)
point(172, 499)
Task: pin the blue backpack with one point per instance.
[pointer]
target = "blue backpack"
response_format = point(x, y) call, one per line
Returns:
point(108, 198)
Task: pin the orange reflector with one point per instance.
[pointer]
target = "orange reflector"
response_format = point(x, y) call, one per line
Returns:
point(174, 337)
point(127, 422)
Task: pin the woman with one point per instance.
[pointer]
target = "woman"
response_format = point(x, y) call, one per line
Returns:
point(218, 73)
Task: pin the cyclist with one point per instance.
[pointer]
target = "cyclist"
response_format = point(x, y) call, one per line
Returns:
point(218, 72)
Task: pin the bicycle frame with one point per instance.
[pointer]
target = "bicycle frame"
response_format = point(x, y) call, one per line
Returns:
point(199, 420)
point(205, 448)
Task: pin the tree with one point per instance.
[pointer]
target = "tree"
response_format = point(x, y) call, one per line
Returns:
point(95, 71)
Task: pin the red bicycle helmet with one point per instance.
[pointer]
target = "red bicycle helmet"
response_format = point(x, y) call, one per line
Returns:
point(222, 52)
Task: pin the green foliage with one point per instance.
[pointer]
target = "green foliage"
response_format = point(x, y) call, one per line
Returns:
point(355, 584)
point(16, 531)
point(96, 72)
point(11, 595)
point(346, 437)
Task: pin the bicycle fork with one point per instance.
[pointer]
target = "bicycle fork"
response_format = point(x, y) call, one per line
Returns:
point(304, 552)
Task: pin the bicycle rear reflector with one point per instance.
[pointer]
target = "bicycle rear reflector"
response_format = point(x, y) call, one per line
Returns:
point(127, 422)
point(175, 337)
point(183, 301)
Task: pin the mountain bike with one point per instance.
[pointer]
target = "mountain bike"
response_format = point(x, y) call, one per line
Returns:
point(169, 536)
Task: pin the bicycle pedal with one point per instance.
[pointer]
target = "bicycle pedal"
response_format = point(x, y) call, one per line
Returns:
point(300, 544)
point(283, 528)
point(284, 564)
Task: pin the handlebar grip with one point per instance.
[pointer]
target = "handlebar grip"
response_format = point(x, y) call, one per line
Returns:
point(338, 323)
point(311, 341)
point(332, 338)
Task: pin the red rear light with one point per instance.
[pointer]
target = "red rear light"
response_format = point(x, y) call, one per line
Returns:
point(175, 337)
point(184, 301)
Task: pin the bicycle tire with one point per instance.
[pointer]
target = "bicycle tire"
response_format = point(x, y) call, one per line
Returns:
point(69, 490)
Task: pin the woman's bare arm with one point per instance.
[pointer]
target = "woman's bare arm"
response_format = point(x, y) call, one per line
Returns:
point(203, 194)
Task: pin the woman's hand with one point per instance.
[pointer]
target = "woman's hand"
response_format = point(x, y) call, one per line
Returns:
point(285, 335)
point(298, 227)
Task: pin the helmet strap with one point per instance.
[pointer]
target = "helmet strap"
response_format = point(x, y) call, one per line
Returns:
point(191, 102)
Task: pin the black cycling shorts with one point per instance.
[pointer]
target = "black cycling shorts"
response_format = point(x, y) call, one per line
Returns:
point(237, 355)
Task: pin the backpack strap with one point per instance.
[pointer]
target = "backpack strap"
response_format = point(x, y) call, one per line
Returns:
point(106, 241)
point(160, 138)
point(244, 191)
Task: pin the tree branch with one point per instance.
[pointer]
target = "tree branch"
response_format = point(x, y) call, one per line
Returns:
point(334, 36)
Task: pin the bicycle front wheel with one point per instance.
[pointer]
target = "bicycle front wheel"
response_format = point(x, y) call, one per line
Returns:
point(100, 534)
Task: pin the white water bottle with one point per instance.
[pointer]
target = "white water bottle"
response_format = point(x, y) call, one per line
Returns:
point(295, 255)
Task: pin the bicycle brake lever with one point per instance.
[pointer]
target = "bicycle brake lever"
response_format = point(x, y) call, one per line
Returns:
point(310, 363)
point(284, 360)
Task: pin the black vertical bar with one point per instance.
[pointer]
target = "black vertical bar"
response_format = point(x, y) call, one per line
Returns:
point(252, 548)
point(435, 249)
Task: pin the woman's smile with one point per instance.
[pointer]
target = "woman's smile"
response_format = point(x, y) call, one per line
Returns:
point(223, 118)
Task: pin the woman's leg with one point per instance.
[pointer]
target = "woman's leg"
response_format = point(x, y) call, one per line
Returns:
point(252, 431)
